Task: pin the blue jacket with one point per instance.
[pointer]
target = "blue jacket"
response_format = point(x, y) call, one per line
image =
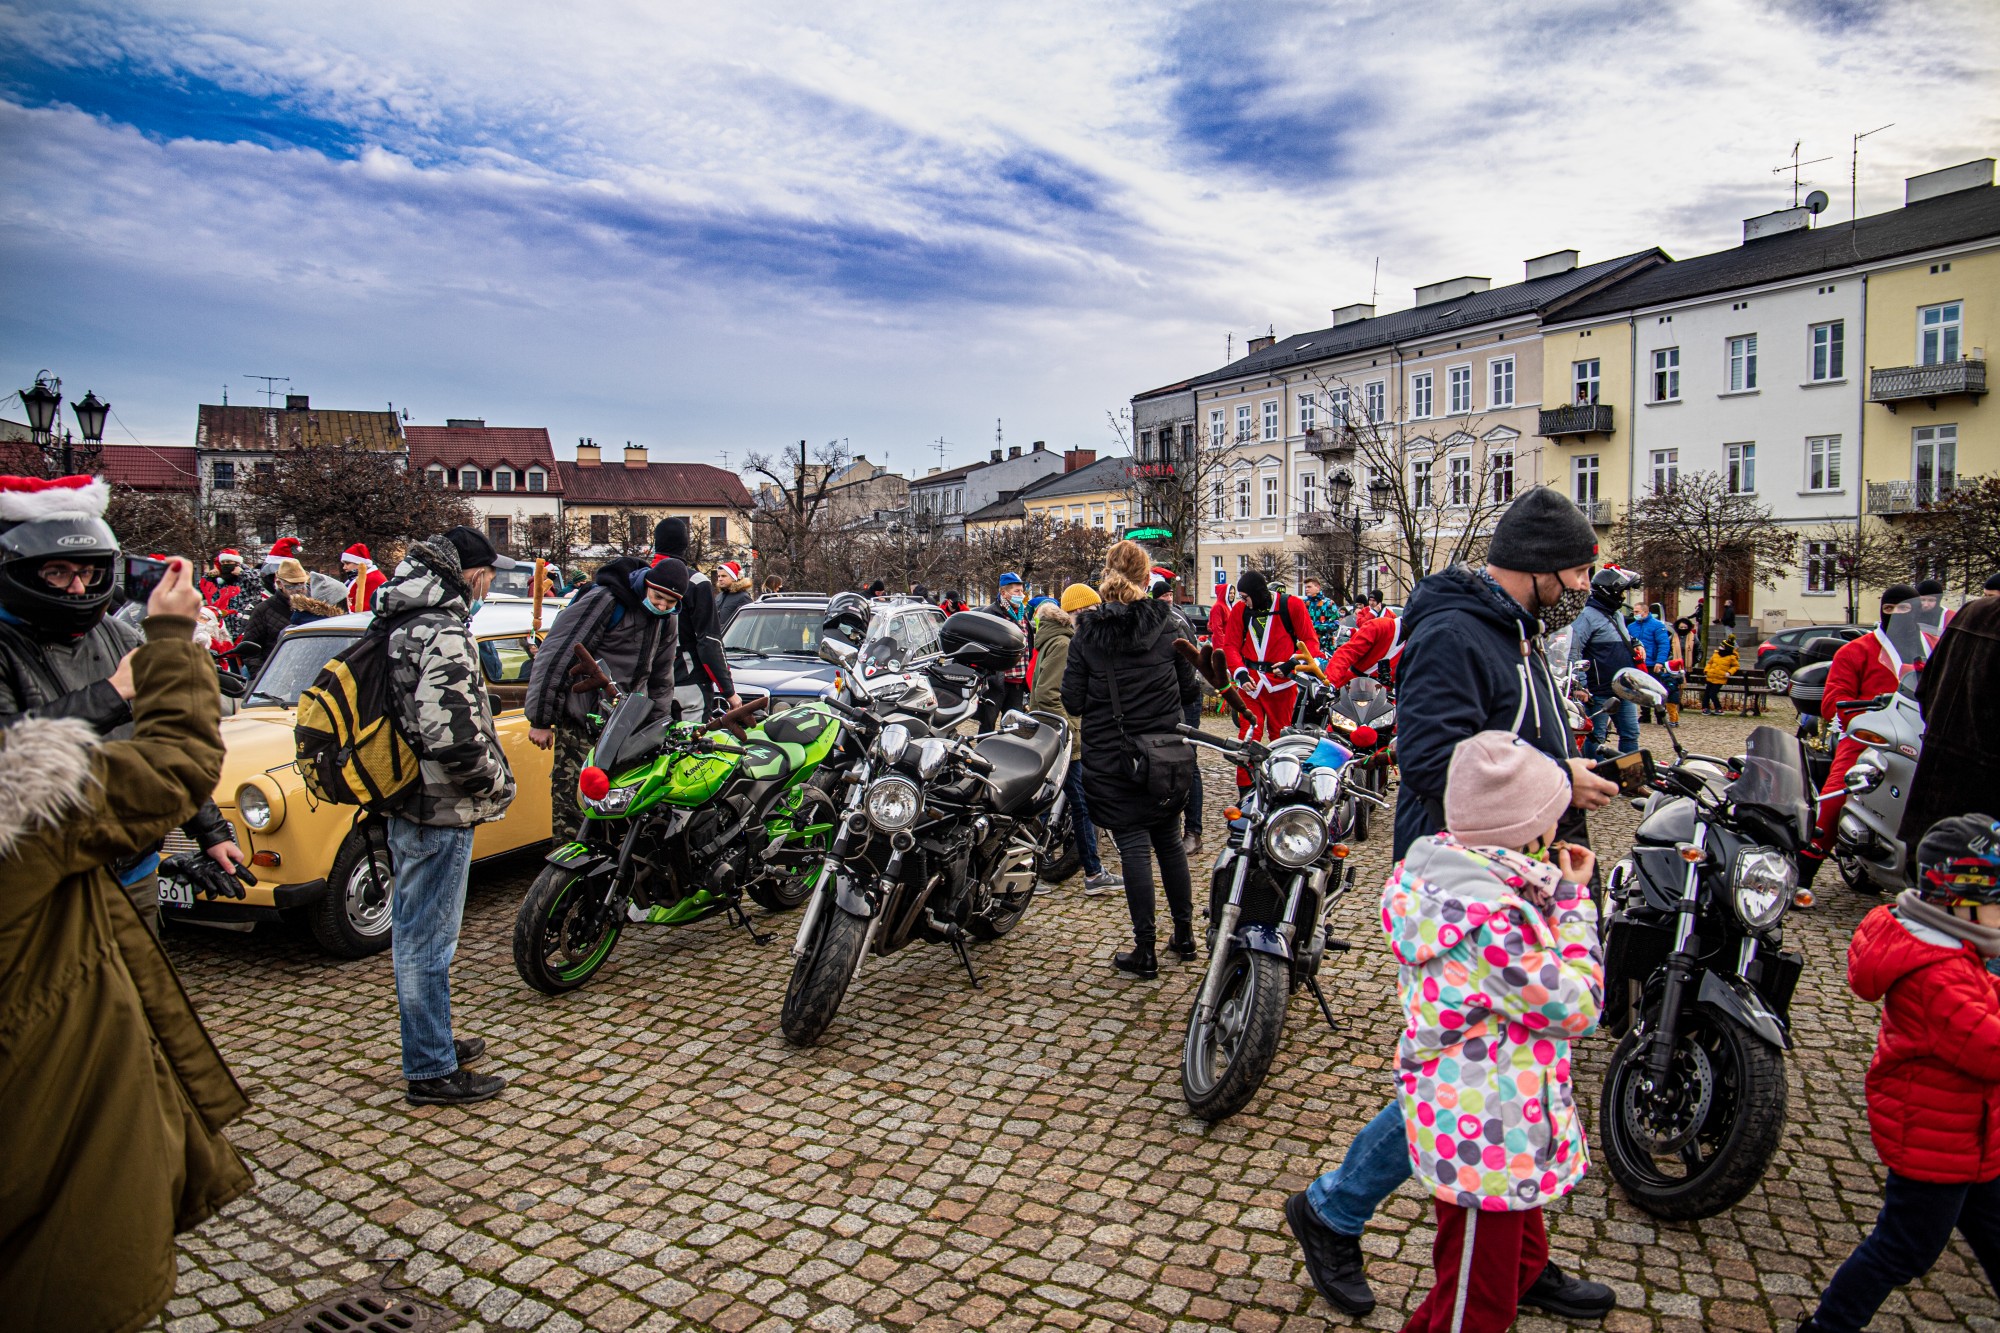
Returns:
point(1653, 635)
point(1599, 638)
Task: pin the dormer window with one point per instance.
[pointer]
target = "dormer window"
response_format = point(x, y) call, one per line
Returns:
point(468, 479)
point(538, 480)
point(434, 475)
point(503, 479)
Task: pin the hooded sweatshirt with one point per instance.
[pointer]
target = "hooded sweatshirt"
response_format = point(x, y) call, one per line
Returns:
point(611, 620)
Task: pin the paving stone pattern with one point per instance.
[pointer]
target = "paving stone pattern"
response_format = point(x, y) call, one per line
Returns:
point(1007, 1158)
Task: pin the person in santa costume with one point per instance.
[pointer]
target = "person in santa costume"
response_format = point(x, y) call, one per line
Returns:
point(1871, 665)
point(225, 583)
point(1378, 640)
point(1264, 633)
point(362, 577)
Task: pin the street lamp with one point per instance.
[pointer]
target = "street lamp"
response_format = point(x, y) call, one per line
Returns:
point(42, 403)
point(1340, 489)
point(90, 415)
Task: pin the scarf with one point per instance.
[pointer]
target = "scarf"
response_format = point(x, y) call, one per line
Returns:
point(1914, 907)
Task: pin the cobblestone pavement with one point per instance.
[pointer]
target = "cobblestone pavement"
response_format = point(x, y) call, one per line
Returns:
point(1012, 1157)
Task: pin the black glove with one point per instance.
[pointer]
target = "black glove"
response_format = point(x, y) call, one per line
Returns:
point(209, 879)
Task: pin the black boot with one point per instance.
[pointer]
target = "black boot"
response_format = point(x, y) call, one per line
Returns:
point(1333, 1260)
point(1809, 864)
point(1183, 942)
point(457, 1088)
point(1571, 1297)
point(1141, 962)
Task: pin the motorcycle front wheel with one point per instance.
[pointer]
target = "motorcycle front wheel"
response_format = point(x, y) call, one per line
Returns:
point(1706, 1142)
point(819, 980)
point(564, 930)
point(1224, 1060)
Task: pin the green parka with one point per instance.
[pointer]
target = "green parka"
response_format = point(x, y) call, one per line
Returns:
point(1054, 628)
point(112, 1095)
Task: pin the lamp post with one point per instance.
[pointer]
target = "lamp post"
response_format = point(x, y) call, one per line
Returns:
point(1340, 489)
point(43, 402)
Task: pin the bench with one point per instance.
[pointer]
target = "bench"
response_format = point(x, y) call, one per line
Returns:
point(1749, 689)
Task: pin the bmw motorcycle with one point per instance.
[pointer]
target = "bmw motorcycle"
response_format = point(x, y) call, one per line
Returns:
point(1697, 981)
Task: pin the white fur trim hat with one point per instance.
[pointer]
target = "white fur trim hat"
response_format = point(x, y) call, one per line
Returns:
point(24, 499)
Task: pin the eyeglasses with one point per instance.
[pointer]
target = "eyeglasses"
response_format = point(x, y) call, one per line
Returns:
point(64, 576)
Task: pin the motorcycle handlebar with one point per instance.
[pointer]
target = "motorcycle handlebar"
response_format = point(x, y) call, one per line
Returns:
point(743, 712)
point(859, 717)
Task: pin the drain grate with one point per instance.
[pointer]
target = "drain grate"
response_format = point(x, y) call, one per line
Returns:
point(363, 1309)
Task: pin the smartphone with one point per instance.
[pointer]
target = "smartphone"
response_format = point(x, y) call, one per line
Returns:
point(1632, 772)
point(142, 575)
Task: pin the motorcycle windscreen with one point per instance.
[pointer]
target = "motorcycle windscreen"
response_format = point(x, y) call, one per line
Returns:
point(1363, 701)
point(627, 738)
point(1774, 780)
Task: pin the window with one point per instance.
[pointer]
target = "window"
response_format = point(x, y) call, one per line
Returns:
point(468, 479)
point(503, 479)
point(1829, 350)
point(264, 471)
point(496, 532)
point(1743, 363)
point(1936, 468)
point(1243, 497)
point(1298, 569)
point(225, 524)
point(954, 501)
point(1500, 382)
point(1308, 414)
point(1937, 333)
point(1270, 497)
point(1096, 517)
point(1666, 374)
point(1500, 467)
point(1187, 440)
point(541, 530)
point(1740, 463)
point(267, 531)
point(1221, 575)
point(1666, 470)
point(1118, 521)
point(538, 480)
point(1145, 446)
point(1242, 422)
point(1375, 394)
point(1823, 463)
point(1242, 565)
point(1076, 515)
point(222, 476)
point(1822, 567)
point(1459, 479)
point(1217, 431)
point(1217, 507)
point(1337, 406)
point(641, 530)
point(1308, 493)
point(1928, 561)
point(600, 529)
point(1269, 561)
point(1271, 419)
point(1420, 484)
point(718, 529)
point(1583, 479)
point(434, 474)
point(1420, 395)
point(1458, 390)
point(1584, 381)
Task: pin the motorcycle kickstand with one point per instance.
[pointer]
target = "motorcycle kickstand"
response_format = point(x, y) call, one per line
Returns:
point(1312, 984)
point(742, 919)
point(964, 956)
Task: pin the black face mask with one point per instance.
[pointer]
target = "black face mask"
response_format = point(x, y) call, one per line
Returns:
point(1559, 614)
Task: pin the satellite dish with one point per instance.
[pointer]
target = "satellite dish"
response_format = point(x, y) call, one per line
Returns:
point(1816, 202)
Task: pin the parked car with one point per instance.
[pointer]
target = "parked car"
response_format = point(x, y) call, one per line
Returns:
point(773, 644)
point(1781, 654)
point(314, 862)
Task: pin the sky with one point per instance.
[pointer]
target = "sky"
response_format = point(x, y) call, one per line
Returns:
point(719, 229)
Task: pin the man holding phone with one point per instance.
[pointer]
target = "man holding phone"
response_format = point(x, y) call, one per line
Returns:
point(62, 656)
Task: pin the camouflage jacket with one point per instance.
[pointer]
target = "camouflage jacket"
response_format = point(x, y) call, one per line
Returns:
point(440, 695)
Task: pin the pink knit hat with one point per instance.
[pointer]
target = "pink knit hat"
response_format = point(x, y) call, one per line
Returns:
point(1501, 791)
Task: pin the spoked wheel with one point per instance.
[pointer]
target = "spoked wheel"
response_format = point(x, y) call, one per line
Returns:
point(819, 980)
point(1779, 679)
point(1703, 1140)
point(565, 930)
point(1224, 1061)
point(354, 917)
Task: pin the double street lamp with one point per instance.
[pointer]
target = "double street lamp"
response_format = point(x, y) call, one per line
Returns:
point(42, 402)
point(1340, 489)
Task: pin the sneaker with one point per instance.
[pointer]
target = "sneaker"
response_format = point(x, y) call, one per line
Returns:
point(468, 1049)
point(1571, 1297)
point(1104, 881)
point(459, 1088)
point(1333, 1261)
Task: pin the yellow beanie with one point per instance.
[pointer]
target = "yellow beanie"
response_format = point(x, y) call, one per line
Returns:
point(1079, 595)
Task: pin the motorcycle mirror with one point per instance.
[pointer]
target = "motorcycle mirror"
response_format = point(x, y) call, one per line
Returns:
point(1014, 722)
point(1862, 779)
point(231, 685)
point(1636, 687)
point(839, 653)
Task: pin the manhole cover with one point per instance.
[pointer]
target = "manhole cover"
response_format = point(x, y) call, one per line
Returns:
point(363, 1309)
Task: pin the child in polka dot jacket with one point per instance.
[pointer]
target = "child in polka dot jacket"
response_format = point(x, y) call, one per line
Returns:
point(1500, 969)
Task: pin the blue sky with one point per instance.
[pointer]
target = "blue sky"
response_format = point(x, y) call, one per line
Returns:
point(719, 229)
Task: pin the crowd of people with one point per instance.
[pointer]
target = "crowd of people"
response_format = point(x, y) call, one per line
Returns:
point(109, 737)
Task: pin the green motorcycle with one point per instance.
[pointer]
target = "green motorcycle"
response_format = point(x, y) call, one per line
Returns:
point(682, 821)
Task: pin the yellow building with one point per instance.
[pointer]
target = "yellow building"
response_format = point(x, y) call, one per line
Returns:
point(1586, 416)
point(1090, 492)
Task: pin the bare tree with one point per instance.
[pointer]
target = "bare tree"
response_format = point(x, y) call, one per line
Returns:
point(1955, 537)
point(1173, 477)
point(1859, 555)
point(1701, 529)
point(149, 521)
point(788, 514)
point(334, 494)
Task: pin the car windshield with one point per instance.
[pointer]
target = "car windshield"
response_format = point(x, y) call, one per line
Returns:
point(516, 582)
point(293, 664)
point(775, 631)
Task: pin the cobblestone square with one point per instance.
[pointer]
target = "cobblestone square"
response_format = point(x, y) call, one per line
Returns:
point(1011, 1157)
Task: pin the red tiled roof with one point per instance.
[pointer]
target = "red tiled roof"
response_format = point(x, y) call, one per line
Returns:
point(150, 467)
point(483, 447)
point(656, 485)
point(264, 429)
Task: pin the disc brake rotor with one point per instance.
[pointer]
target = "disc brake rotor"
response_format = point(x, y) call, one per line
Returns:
point(1667, 1119)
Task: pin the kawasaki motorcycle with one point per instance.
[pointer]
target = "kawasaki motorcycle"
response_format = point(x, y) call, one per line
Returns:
point(1696, 977)
point(1270, 894)
point(939, 839)
point(681, 820)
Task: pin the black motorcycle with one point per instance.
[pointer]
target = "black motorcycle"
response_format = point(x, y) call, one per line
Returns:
point(1273, 885)
point(940, 837)
point(1362, 715)
point(1696, 976)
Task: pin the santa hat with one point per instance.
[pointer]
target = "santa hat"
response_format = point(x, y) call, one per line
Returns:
point(1162, 572)
point(730, 570)
point(24, 499)
point(230, 552)
point(285, 548)
point(356, 554)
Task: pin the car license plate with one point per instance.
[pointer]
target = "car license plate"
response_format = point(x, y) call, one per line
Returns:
point(175, 893)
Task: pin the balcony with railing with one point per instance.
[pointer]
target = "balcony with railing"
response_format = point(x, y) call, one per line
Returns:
point(1575, 419)
point(1332, 441)
point(1891, 385)
point(1905, 497)
point(1597, 511)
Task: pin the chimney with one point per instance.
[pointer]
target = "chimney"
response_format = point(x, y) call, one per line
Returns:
point(1965, 176)
point(477, 423)
point(1258, 344)
point(996, 456)
point(1550, 264)
point(1076, 458)
point(1348, 314)
point(1776, 224)
point(297, 402)
point(1041, 446)
point(933, 472)
point(635, 455)
point(586, 454)
point(1451, 289)
point(1013, 451)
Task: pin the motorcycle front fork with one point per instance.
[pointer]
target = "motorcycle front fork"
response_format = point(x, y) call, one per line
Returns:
point(1680, 963)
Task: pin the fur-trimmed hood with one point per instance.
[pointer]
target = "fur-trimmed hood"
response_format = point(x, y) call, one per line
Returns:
point(44, 769)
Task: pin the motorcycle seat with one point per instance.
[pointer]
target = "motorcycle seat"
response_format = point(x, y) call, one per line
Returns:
point(1022, 763)
point(800, 726)
point(767, 762)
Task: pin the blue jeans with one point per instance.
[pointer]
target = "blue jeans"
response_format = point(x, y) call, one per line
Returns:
point(1191, 816)
point(1079, 813)
point(426, 908)
point(1914, 1226)
point(1376, 1163)
point(1607, 710)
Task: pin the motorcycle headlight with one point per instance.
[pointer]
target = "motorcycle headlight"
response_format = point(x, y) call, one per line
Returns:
point(256, 808)
point(931, 755)
point(1295, 836)
point(893, 803)
point(614, 801)
point(1761, 884)
point(895, 739)
point(1325, 784)
point(1285, 772)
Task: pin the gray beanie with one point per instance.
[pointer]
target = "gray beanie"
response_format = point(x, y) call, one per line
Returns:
point(1540, 533)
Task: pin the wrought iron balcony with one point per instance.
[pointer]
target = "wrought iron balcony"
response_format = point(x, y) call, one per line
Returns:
point(1597, 511)
point(1332, 441)
point(1578, 419)
point(1905, 497)
point(1318, 522)
point(1899, 384)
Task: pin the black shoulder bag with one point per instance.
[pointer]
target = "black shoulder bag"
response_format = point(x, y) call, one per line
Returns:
point(1161, 763)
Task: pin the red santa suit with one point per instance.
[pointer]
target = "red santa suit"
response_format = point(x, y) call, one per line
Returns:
point(367, 578)
point(1862, 669)
point(1253, 642)
point(1378, 639)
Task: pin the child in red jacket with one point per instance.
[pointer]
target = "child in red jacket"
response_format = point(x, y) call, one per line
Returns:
point(1934, 1085)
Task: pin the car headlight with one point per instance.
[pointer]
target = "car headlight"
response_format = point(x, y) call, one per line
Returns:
point(895, 739)
point(1285, 772)
point(614, 801)
point(1761, 885)
point(893, 803)
point(260, 813)
point(1295, 836)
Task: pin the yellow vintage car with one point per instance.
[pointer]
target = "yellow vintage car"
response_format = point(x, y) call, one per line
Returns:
point(317, 863)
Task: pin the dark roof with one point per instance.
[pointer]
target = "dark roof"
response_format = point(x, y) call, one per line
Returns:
point(654, 486)
point(949, 474)
point(264, 429)
point(1008, 506)
point(1542, 296)
point(1106, 474)
point(1948, 219)
point(483, 447)
point(149, 467)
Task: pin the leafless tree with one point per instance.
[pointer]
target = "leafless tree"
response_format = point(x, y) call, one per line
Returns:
point(1699, 530)
point(1860, 555)
point(1956, 537)
point(1175, 468)
point(788, 512)
point(150, 521)
point(334, 494)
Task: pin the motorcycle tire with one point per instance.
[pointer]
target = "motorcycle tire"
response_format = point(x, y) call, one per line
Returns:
point(784, 893)
point(1854, 875)
point(1740, 1125)
point(1000, 918)
point(819, 980)
point(1068, 860)
point(553, 949)
point(1249, 1024)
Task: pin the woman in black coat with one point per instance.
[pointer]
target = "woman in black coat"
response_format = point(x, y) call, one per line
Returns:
point(1131, 638)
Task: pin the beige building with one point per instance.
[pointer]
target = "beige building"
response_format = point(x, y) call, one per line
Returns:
point(612, 508)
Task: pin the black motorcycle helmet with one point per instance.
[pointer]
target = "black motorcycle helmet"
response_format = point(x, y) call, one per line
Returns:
point(847, 616)
point(79, 538)
point(1610, 584)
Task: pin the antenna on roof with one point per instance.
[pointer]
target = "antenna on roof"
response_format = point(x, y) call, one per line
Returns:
point(1793, 167)
point(941, 446)
point(1375, 283)
point(225, 395)
point(996, 434)
point(1854, 188)
point(271, 383)
point(1228, 348)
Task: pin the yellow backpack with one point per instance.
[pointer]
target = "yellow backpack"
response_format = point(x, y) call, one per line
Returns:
point(350, 750)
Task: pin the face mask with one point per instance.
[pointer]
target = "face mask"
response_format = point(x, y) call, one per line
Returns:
point(1558, 614)
point(473, 610)
point(672, 610)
